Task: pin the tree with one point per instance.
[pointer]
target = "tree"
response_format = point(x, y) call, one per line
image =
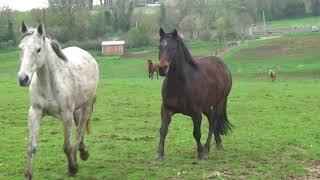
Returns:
point(6, 20)
point(162, 14)
point(315, 7)
point(121, 14)
point(90, 4)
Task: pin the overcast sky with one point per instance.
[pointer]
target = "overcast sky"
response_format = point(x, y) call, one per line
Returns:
point(24, 5)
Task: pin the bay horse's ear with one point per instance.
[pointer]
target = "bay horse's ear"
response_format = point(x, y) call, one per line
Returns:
point(175, 33)
point(161, 32)
point(23, 28)
point(40, 29)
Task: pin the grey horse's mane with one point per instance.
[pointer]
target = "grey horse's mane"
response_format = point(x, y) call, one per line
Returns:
point(54, 44)
point(56, 48)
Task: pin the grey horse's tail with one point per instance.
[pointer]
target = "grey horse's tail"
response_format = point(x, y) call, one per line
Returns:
point(88, 124)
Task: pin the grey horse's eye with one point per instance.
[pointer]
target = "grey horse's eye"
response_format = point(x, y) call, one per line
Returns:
point(38, 50)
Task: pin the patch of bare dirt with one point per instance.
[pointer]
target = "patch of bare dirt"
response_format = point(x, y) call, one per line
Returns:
point(127, 138)
point(290, 46)
point(313, 172)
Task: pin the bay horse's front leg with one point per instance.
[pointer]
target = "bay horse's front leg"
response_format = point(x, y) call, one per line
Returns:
point(67, 117)
point(197, 119)
point(34, 118)
point(166, 119)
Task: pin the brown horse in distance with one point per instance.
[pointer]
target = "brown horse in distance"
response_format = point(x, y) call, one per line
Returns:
point(272, 76)
point(152, 68)
point(192, 87)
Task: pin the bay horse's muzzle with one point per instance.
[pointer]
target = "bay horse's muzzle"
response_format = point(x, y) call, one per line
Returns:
point(163, 67)
point(162, 71)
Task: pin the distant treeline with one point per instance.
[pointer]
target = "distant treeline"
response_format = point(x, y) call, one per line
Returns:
point(79, 22)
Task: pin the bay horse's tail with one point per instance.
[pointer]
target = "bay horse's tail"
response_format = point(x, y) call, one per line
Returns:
point(222, 124)
point(88, 126)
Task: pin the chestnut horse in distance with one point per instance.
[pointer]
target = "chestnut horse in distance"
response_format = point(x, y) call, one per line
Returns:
point(152, 68)
point(192, 87)
point(272, 76)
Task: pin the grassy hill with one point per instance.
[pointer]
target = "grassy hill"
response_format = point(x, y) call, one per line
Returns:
point(286, 23)
point(290, 53)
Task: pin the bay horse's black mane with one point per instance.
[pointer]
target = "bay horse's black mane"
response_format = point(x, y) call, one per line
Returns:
point(187, 56)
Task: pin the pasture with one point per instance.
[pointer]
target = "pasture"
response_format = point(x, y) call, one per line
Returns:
point(275, 125)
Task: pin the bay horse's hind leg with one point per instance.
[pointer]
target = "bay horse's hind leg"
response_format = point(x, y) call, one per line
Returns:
point(196, 119)
point(211, 116)
point(221, 124)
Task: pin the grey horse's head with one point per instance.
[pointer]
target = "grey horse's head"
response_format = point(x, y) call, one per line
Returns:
point(32, 52)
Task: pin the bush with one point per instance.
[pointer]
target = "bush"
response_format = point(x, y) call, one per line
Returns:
point(8, 45)
point(205, 35)
point(137, 38)
point(87, 45)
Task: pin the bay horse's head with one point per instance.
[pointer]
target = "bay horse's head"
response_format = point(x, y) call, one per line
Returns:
point(32, 53)
point(167, 49)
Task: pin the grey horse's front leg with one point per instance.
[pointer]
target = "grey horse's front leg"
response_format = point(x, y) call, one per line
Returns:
point(34, 117)
point(67, 117)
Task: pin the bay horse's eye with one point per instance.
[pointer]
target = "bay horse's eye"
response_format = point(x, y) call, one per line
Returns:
point(38, 50)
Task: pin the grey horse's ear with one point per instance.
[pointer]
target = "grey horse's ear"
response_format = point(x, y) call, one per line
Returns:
point(175, 33)
point(23, 28)
point(40, 29)
point(161, 32)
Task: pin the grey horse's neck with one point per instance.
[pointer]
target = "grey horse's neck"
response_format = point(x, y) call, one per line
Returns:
point(47, 74)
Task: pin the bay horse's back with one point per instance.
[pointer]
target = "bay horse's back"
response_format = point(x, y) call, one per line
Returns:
point(217, 71)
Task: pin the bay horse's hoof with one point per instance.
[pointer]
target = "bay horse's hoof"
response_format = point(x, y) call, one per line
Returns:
point(202, 156)
point(206, 151)
point(159, 159)
point(73, 170)
point(84, 155)
point(27, 176)
point(219, 147)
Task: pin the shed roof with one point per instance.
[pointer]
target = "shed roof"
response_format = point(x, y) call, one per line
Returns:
point(106, 43)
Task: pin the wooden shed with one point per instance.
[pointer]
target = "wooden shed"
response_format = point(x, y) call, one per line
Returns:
point(112, 47)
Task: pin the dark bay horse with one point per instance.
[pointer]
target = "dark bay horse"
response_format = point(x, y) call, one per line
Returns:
point(192, 87)
point(152, 68)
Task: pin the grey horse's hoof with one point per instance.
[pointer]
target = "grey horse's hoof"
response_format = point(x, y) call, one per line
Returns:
point(73, 170)
point(27, 176)
point(84, 155)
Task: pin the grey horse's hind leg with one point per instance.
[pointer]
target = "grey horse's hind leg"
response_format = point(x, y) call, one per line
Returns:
point(34, 118)
point(84, 154)
point(70, 152)
point(85, 113)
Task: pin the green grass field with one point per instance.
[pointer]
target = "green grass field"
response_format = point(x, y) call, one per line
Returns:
point(286, 23)
point(276, 125)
